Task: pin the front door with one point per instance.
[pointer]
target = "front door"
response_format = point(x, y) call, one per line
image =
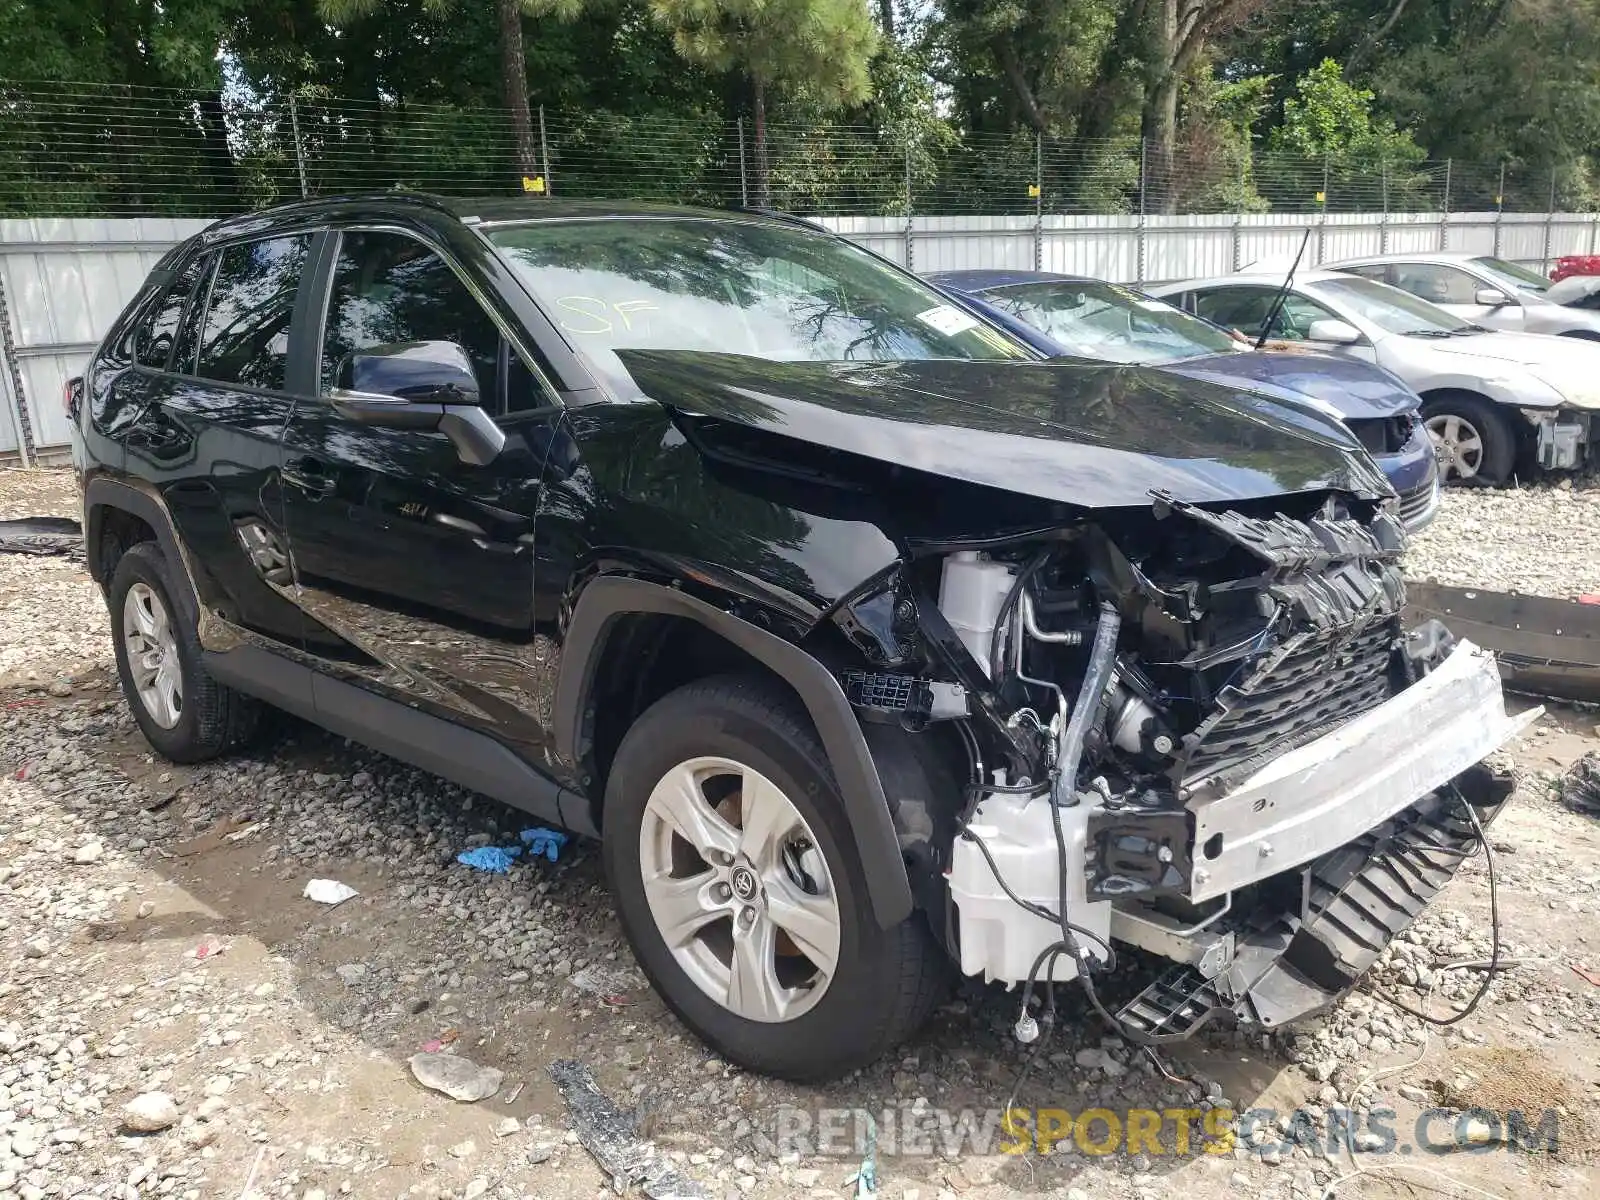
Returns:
point(417, 568)
point(1245, 307)
point(1457, 291)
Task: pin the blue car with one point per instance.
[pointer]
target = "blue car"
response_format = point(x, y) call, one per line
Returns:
point(1088, 318)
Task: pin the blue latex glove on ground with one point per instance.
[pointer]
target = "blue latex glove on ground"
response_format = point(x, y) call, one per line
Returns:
point(494, 859)
point(544, 841)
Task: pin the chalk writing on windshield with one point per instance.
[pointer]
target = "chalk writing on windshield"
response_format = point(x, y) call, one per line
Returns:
point(590, 316)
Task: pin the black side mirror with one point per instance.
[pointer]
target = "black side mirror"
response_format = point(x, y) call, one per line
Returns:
point(418, 385)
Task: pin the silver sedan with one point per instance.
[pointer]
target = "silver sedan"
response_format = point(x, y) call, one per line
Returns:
point(1479, 288)
point(1487, 395)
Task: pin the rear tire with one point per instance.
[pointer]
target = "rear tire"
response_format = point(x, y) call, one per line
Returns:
point(184, 714)
point(735, 762)
point(1473, 438)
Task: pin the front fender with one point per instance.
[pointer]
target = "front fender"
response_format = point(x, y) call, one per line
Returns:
point(608, 598)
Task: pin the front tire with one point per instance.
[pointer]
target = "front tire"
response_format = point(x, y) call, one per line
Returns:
point(743, 894)
point(1472, 437)
point(184, 714)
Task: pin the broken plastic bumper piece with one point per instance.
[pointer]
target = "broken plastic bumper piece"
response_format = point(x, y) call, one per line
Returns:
point(1402, 774)
point(1311, 800)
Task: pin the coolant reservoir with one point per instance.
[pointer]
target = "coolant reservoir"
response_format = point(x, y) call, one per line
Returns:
point(971, 592)
point(1000, 939)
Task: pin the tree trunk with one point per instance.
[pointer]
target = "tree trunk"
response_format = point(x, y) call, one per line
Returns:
point(1161, 136)
point(761, 194)
point(1097, 114)
point(1006, 54)
point(514, 90)
point(223, 170)
point(1160, 117)
point(886, 18)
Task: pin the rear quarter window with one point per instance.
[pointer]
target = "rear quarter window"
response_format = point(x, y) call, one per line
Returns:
point(155, 335)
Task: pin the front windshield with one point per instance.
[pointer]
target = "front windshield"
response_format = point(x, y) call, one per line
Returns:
point(1389, 308)
point(1101, 320)
point(735, 287)
point(1517, 275)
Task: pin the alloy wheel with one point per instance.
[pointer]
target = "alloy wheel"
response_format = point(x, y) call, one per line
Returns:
point(1457, 444)
point(739, 889)
point(152, 655)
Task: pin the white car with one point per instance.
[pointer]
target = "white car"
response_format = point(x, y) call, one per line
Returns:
point(1486, 394)
point(1479, 288)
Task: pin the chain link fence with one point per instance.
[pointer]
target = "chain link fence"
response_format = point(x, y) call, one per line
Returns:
point(78, 149)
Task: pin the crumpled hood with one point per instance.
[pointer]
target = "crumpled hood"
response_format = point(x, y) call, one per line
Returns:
point(1094, 435)
point(1355, 390)
point(1569, 365)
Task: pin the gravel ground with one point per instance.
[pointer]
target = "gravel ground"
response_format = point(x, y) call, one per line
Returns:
point(159, 966)
point(1542, 540)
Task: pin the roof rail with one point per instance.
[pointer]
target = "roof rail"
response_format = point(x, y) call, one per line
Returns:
point(314, 203)
point(778, 214)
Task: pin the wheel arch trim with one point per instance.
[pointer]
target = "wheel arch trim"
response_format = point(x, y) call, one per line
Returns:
point(101, 495)
point(607, 599)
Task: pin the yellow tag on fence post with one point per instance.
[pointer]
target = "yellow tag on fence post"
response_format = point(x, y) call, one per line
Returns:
point(535, 185)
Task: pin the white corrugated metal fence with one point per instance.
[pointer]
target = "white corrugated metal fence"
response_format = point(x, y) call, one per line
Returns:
point(66, 279)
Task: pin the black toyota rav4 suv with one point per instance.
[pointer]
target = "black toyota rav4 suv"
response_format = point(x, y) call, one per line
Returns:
point(869, 644)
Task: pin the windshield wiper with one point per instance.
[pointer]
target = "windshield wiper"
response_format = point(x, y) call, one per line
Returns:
point(1429, 333)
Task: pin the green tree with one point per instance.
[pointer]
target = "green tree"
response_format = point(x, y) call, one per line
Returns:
point(1330, 117)
point(513, 57)
point(1330, 138)
point(820, 48)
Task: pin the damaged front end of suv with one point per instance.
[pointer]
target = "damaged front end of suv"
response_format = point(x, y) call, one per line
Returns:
point(1154, 629)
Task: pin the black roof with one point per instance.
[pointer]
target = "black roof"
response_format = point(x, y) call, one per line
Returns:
point(489, 210)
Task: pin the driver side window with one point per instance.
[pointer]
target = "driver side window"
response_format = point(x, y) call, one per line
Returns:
point(1436, 284)
point(1246, 309)
point(389, 288)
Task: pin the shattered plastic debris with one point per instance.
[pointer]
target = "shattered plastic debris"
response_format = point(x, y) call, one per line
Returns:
point(1580, 786)
point(210, 946)
point(865, 1177)
point(546, 842)
point(608, 1134)
point(459, 1078)
point(329, 891)
point(496, 860)
point(447, 1038)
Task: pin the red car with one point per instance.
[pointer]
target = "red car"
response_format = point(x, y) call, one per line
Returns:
point(1575, 264)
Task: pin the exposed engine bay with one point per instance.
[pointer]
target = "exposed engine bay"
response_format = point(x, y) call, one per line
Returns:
point(1193, 729)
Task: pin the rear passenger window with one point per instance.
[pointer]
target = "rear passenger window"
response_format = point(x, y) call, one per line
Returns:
point(246, 332)
point(153, 342)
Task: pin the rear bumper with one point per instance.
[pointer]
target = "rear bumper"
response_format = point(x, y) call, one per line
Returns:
point(1309, 801)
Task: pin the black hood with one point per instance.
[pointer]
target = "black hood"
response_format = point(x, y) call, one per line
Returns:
point(1089, 434)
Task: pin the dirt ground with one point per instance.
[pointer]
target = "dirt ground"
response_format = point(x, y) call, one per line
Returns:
point(154, 938)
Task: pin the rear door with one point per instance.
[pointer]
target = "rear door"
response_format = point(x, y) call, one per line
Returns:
point(201, 416)
point(416, 568)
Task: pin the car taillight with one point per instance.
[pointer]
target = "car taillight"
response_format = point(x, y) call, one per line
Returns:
point(69, 396)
